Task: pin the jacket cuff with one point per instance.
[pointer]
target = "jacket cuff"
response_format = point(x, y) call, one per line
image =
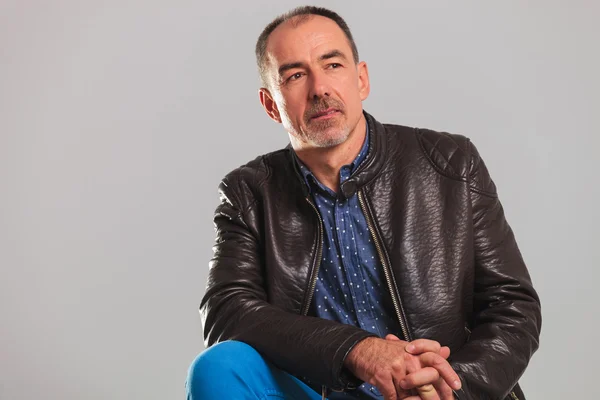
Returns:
point(345, 379)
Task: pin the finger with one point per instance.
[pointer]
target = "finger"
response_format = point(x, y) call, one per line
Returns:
point(445, 352)
point(392, 337)
point(428, 392)
point(424, 376)
point(443, 390)
point(422, 346)
point(442, 366)
point(412, 363)
point(411, 395)
point(400, 392)
point(388, 390)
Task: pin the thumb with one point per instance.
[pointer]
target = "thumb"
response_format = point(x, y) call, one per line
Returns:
point(392, 337)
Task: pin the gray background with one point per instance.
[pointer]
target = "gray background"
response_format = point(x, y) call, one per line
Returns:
point(118, 118)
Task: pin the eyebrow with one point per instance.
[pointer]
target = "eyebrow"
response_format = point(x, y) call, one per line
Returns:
point(332, 54)
point(297, 64)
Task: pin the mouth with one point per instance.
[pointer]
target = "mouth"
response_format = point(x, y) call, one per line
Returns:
point(325, 114)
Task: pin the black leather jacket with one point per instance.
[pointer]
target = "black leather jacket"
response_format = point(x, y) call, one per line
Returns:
point(450, 260)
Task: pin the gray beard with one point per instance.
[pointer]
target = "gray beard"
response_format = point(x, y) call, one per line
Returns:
point(321, 140)
point(325, 142)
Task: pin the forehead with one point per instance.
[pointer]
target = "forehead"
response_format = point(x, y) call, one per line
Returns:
point(291, 42)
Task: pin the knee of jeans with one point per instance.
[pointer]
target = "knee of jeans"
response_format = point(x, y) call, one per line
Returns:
point(226, 358)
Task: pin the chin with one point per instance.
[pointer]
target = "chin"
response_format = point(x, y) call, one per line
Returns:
point(330, 139)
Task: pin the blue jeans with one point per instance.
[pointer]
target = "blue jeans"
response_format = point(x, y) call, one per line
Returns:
point(234, 370)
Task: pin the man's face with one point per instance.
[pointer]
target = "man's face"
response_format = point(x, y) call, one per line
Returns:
point(316, 89)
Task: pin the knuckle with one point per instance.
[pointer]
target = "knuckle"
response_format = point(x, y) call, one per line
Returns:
point(437, 360)
point(380, 377)
point(429, 342)
point(400, 362)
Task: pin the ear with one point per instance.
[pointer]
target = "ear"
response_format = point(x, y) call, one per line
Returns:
point(266, 99)
point(364, 87)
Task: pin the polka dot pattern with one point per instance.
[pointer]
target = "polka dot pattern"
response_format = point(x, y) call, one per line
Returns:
point(351, 287)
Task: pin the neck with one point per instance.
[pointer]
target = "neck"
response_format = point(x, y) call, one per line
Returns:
point(325, 163)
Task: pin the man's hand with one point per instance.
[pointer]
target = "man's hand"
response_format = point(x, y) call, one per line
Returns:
point(423, 370)
point(387, 363)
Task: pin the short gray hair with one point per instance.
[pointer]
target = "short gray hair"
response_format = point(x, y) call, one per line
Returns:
point(299, 15)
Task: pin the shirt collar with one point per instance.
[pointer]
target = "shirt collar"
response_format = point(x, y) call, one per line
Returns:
point(362, 155)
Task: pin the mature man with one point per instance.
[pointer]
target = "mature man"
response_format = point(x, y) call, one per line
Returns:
point(364, 260)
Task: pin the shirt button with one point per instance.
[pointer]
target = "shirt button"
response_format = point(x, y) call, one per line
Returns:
point(349, 188)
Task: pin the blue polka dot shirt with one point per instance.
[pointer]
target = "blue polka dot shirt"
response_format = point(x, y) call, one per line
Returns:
point(351, 288)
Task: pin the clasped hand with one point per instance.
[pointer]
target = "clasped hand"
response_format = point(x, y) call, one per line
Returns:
point(401, 370)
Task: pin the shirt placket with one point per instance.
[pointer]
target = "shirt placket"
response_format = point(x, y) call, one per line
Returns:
point(347, 246)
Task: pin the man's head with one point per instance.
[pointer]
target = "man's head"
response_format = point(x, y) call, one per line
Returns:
point(312, 81)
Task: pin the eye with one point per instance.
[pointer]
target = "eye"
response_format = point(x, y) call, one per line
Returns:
point(295, 76)
point(335, 65)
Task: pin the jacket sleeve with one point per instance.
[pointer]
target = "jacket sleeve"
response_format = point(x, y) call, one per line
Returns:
point(506, 320)
point(235, 305)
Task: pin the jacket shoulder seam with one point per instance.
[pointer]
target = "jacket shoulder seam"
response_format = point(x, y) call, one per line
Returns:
point(436, 167)
point(472, 168)
point(251, 179)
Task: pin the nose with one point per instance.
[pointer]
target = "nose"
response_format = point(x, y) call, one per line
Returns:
point(319, 85)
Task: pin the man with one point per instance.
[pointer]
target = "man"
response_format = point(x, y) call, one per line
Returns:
point(365, 260)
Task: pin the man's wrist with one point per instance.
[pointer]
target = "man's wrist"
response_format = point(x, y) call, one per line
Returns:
point(353, 357)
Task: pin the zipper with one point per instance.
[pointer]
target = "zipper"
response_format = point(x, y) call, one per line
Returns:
point(387, 270)
point(315, 269)
point(315, 275)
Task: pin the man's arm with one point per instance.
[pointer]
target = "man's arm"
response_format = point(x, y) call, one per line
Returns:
point(507, 312)
point(235, 305)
